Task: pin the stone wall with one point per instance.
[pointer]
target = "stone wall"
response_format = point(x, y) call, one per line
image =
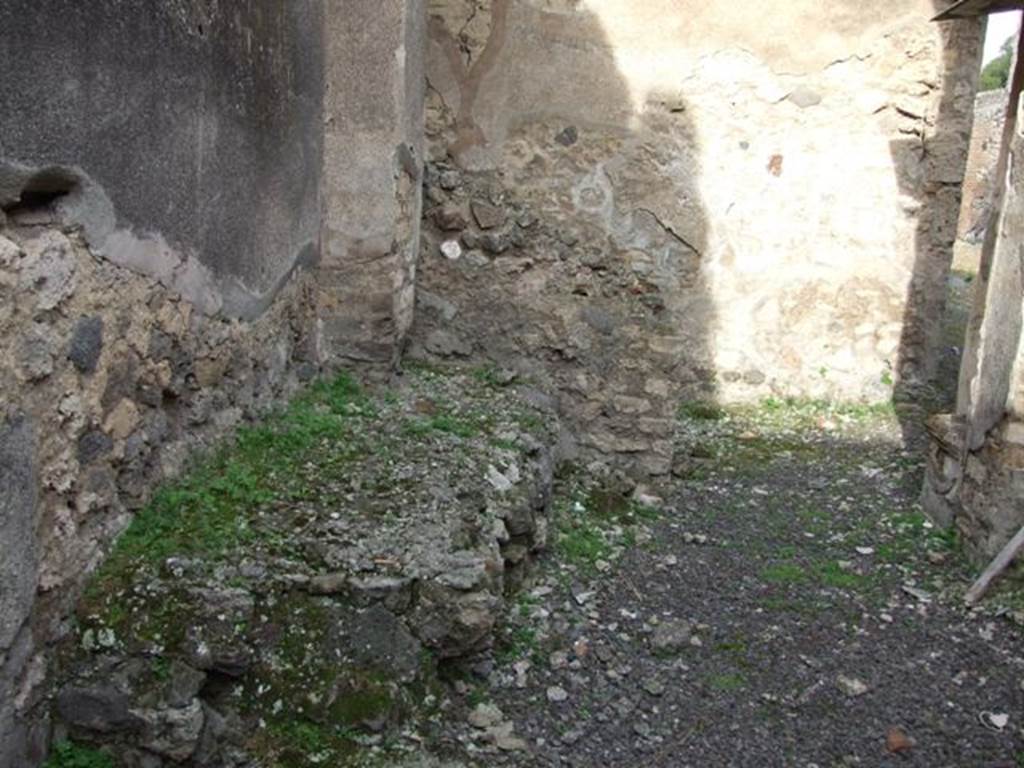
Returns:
point(113, 382)
point(163, 197)
point(979, 182)
point(637, 202)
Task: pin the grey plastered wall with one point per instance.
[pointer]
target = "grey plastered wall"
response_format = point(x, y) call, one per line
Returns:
point(191, 132)
point(373, 149)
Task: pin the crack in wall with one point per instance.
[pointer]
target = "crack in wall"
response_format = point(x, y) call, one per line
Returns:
point(670, 230)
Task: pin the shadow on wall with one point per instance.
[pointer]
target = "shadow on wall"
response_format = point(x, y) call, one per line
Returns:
point(565, 234)
point(930, 169)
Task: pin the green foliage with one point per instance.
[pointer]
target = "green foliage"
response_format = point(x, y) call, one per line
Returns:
point(67, 754)
point(464, 426)
point(594, 521)
point(299, 744)
point(832, 575)
point(520, 643)
point(911, 533)
point(211, 510)
point(582, 545)
point(161, 668)
point(996, 73)
point(531, 422)
point(368, 702)
point(801, 409)
point(487, 375)
point(826, 574)
point(784, 573)
point(728, 682)
point(700, 410)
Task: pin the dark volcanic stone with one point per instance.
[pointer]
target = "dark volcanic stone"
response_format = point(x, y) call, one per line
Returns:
point(568, 137)
point(95, 709)
point(92, 445)
point(86, 344)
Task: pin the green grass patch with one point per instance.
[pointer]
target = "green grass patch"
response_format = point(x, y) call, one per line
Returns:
point(785, 573)
point(505, 445)
point(593, 521)
point(787, 552)
point(487, 375)
point(67, 754)
point(300, 744)
point(832, 575)
point(213, 510)
point(532, 422)
point(700, 410)
point(520, 642)
point(801, 409)
point(732, 681)
point(582, 544)
point(910, 533)
point(464, 425)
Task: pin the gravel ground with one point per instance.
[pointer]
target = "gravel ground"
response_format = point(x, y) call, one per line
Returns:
point(787, 606)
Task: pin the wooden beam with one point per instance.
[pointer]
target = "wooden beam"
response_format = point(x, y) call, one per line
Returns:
point(996, 567)
point(969, 9)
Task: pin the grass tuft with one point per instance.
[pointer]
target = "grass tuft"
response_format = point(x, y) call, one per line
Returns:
point(67, 754)
point(214, 508)
point(701, 410)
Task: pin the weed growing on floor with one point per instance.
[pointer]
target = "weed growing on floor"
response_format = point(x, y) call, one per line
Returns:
point(832, 574)
point(725, 683)
point(460, 425)
point(595, 523)
point(211, 510)
point(67, 754)
point(785, 573)
point(487, 375)
point(297, 744)
point(582, 545)
point(519, 642)
point(700, 410)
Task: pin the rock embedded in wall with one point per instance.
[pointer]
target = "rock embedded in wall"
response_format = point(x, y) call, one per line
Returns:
point(86, 344)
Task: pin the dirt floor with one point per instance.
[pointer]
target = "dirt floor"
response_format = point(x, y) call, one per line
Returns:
point(781, 601)
point(788, 606)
